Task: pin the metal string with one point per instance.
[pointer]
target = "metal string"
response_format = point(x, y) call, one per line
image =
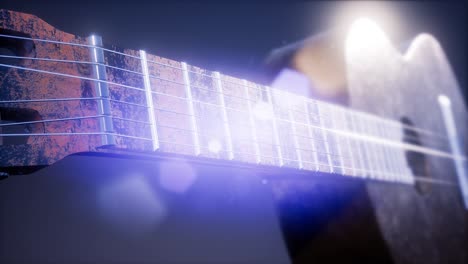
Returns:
point(126, 86)
point(379, 119)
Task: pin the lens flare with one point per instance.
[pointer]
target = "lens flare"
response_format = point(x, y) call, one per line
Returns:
point(263, 111)
point(214, 146)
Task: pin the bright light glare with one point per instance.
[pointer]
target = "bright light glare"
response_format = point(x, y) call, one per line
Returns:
point(444, 100)
point(214, 146)
point(263, 111)
point(364, 34)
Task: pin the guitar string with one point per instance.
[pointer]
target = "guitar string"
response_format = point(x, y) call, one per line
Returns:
point(364, 138)
point(90, 46)
point(249, 140)
point(355, 112)
point(153, 92)
point(67, 75)
point(213, 77)
point(174, 97)
point(378, 119)
point(71, 44)
point(376, 173)
point(374, 176)
point(70, 61)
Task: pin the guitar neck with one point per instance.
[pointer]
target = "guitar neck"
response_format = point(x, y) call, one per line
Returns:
point(89, 96)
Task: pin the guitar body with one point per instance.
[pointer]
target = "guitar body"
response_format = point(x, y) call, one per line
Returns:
point(425, 223)
point(324, 217)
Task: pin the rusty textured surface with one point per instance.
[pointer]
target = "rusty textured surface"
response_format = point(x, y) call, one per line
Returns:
point(20, 84)
point(169, 97)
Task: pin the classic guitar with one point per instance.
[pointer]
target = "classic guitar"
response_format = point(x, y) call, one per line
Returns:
point(402, 138)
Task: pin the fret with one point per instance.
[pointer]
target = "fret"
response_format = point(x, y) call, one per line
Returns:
point(252, 123)
point(193, 120)
point(344, 141)
point(336, 138)
point(227, 130)
point(390, 156)
point(380, 168)
point(330, 138)
point(294, 133)
point(360, 164)
point(309, 131)
point(364, 146)
point(149, 101)
point(275, 127)
point(323, 154)
point(384, 157)
point(102, 91)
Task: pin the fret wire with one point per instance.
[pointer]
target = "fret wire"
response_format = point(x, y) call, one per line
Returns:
point(342, 120)
point(136, 57)
point(324, 164)
point(182, 98)
point(101, 89)
point(252, 125)
point(214, 77)
point(247, 140)
point(318, 102)
point(135, 88)
point(177, 143)
point(149, 100)
point(48, 120)
point(363, 115)
point(275, 127)
point(202, 88)
point(362, 146)
point(296, 144)
point(373, 148)
point(188, 94)
point(102, 81)
point(327, 149)
point(398, 124)
point(371, 151)
point(357, 144)
point(334, 125)
point(309, 131)
point(227, 130)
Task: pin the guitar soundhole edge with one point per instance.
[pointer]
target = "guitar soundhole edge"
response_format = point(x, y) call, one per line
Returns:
point(417, 162)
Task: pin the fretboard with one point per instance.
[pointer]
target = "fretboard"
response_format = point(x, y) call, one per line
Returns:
point(148, 103)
